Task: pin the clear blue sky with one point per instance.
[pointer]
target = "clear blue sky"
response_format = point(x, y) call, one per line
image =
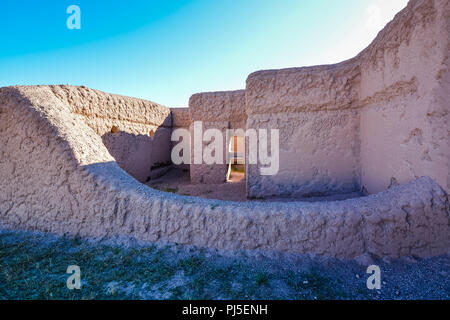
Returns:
point(165, 51)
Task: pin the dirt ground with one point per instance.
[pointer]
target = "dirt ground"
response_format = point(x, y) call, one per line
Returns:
point(178, 181)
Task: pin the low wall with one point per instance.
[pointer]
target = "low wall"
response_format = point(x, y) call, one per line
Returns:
point(63, 180)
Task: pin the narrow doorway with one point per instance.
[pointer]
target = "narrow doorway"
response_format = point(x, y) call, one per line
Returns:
point(236, 156)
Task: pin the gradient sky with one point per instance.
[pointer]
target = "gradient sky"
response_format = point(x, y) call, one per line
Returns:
point(165, 51)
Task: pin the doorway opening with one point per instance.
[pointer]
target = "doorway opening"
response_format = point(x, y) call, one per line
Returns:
point(236, 159)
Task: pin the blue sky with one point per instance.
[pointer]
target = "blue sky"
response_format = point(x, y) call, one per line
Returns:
point(165, 51)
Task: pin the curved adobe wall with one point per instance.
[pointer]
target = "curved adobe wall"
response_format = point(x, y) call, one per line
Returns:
point(57, 176)
point(136, 132)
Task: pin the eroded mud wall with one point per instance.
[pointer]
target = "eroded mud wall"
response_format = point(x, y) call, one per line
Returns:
point(316, 112)
point(136, 132)
point(56, 175)
point(215, 110)
point(405, 95)
point(181, 120)
point(373, 122)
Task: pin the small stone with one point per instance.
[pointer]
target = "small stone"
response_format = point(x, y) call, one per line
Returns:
point(305, 282)
point(387, 260)
point(410, 259)
point(357, 276)
point(365, 259)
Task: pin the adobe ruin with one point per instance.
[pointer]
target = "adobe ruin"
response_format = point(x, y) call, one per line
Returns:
point(71, 157)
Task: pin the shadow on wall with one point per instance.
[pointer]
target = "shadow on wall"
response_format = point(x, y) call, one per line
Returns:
point(144, 157)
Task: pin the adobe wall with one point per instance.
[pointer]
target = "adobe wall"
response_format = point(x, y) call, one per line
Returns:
point(372, 122)
point(140, 140)
point(216, 110)
point(405, 95)
point(57, 176)
point(316, 112)
point(181, 120)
